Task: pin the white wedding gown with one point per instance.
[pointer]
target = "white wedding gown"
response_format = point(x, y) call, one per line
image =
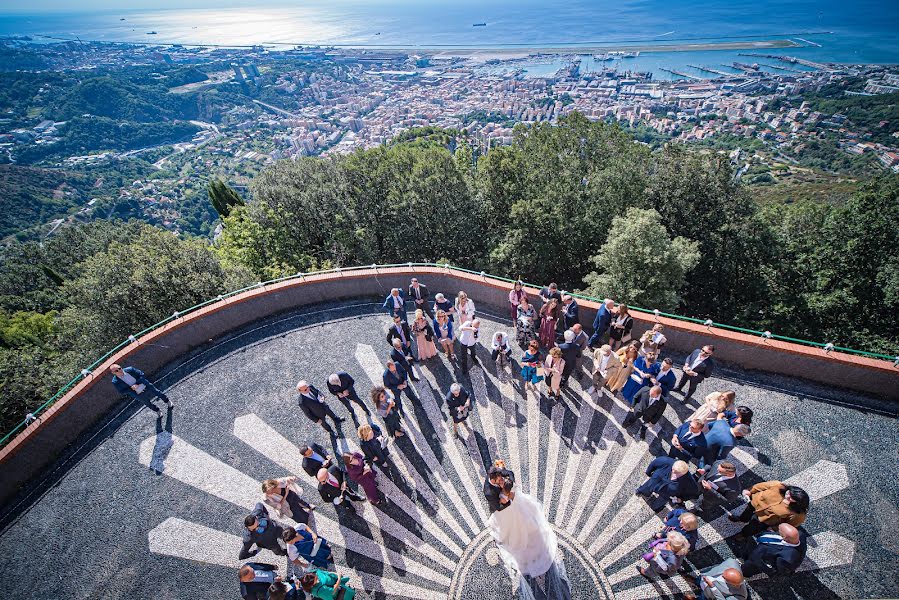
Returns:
point(530, 550)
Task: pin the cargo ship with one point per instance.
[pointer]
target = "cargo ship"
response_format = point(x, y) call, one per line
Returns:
point(479, 24)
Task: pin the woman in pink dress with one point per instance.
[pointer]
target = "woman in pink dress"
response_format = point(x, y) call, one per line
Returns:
point(424, 336)
point(549, 315)
point(515, 296)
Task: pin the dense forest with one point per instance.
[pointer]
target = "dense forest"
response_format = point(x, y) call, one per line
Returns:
point(579, 203)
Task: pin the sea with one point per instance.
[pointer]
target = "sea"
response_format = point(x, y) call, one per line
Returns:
point(857, 31)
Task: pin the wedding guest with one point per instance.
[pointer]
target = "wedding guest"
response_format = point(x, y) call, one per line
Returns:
point(464, 307)
point(570, 354)
point(553, 367)
point(723, 581)
point(525, 327)
point(332, 487)
point(395, 304)
point(401, 331)
point(325, 585)
point(778, 552)
point(720, 487)
point(403, 358)
point(740, 414)
point(644, 371)
point(720, 439)
point(262, 531)
point(372, 446)
point(314, 458)
point(602, 322)
point(499, 346)
point(468, 340)
point(418, 293)
point(668, 480)
point(569, 311)
point(255, 579)
point(342, 385)
point(627, 356)
point(652, 340)
point(606, 366)
point(668, 557)
point(305, 547)
point(581, 339)
point(132, 382)
point(688, 442)
point(458, 402)
point(515, 297)
point(386, 407)
point(665, 377)
point(550, 313)
point(283, 495)
point(364, 476)
point(699, 365)
point(441, 303)
point(684, 523)
point(424, 336)
point(715, 404)
point(443, 329)
point(771, 503)
point(286, 590)
point(649, 406)
point(551, 292)
point(396, 380)
point(620, 328)
point(531, 369)
point(313, 405)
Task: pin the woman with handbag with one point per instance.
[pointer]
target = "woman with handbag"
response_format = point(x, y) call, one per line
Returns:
point(549, 318)
point(554, 366)
point(443, 329)
point(283, 495)
point(385, 406)
point(622, 323)
point(325, 585)
point(531, 365)
point(515, 296)
point(362, 474)
point(525, 328)
point(424, 336)
point(372, 444)
point(645, 370)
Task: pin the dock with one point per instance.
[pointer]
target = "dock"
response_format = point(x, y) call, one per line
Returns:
point(790, 59)
point(779, 68)
point(682, 74)
point(711, 70)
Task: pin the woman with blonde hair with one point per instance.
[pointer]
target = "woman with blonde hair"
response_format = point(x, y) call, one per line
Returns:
point(283, 495)
point(553, 368)
point(626, 356)
point(443, 330)
point(424, 336)
point(714, 404)
point(652, 340)
point(464, 308)
point(370, 443)
point(667, 557)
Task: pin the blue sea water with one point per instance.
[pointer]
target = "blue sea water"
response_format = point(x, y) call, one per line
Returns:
point(861, 31)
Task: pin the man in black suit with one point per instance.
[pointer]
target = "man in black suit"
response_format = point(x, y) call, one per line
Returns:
point(342, 385)
point(255, 578)
point(400, 331)
point(669, 480)
point(570, 354)
point(699, 365)
point(777, 553)
point(400, 356)
point(419, 294)
point(569, 311)
point(312, 403)
point(263, 531)
point(396, 380)
point(549, 292)
point(332, 487)
point(493, 487)
point(720, 486)
point(314, 458)
point(649, 405)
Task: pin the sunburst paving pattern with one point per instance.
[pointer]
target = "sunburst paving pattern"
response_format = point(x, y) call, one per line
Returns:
point(163, 501)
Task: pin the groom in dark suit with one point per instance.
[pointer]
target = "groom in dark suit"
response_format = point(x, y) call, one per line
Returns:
point(494, 484)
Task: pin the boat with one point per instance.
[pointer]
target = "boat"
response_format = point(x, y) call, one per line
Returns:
point(122, 19)
point(622, 54)
point(151, 33)
point(603, 57)
point(479, 25)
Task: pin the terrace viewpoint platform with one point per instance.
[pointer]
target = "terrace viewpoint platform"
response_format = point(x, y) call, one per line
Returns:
point(142, 508)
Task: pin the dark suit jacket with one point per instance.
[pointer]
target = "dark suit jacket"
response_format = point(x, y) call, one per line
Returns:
point(311, 465)
point(373, 451)
point(570, 314)
point(570, 353)
point(647, 408)
point(704, 369)
point(693, 448)
point(684, 487)
point(311, 407)
point(401, 360)
point(327, 491)
point(392, 380)
point(719, 442)
point(454, 403)
point(603, 320)
point(492, 493)
point(346, 382)
point(775, 559)
point(422, 288)
point(728, 490)
point(123, 387)
point(253, 590)
point(393, 333)
point(388, 304)
point(268, 539)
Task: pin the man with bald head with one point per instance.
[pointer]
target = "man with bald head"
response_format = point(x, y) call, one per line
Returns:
point(778, 551)
point(724, 581)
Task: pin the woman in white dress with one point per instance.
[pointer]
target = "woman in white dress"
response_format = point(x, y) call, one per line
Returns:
point(529, 547)
point(464, 308)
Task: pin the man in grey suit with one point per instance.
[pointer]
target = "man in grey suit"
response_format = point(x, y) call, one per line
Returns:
point(722, 582)
point(719, 487)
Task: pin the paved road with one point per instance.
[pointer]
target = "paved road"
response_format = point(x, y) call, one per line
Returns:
point(143, 508)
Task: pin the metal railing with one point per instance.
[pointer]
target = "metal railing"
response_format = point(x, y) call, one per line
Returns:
point(132, 339)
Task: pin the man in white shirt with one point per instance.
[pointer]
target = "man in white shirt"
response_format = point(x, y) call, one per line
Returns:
point(698, 366)
point(395, 304)
point(724, 581)
point(468, 339)
point(500, 346)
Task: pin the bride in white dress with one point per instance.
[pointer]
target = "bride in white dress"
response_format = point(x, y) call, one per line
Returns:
point(529, 548)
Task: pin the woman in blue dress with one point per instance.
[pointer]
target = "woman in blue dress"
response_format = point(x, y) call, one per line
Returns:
point(304, 547)
point(530, 363)
point(645, 370)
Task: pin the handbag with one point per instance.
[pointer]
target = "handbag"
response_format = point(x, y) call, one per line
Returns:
point(541, 372)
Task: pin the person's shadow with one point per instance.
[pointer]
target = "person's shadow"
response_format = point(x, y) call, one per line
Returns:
point(163, 443)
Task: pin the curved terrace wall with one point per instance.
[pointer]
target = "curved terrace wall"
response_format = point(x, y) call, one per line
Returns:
point(42, 441)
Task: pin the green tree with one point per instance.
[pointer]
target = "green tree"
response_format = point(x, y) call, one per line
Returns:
point(640, 264)
point(223, 198)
